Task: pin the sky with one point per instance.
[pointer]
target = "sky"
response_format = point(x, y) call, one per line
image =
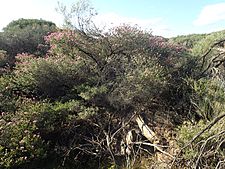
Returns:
point(166, 18)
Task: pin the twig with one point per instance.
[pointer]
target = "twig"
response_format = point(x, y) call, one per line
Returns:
point(204, 144)
point(218, 165)
point(155, 146)
point(123, 126)
point(204, 58)
point(199, 134)
point(210, 49)
point(212, 123)
point(213, 61)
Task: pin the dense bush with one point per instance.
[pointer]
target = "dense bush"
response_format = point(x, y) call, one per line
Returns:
point(25, 35)
point(84, 77)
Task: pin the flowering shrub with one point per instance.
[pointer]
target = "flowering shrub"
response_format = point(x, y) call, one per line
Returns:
point(51, 77)
point(63, 99)
point(18, 142)
point(168, 53)
point(31, 126)
point(61, 42)
point(162, 44)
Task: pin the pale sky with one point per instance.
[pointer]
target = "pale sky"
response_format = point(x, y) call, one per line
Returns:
point(163, 17)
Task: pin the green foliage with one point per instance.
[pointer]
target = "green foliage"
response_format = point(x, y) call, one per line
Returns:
point(188, 41)
point(205, 146)
point(198, 43)
point(35, 128)
point(7, 98)
point(19, 143)
point(24, 23)
point(63, 81)
point(3, 58)
point(208, 97)
point(4, 62)
point(205, 43)
point(52, 77)
point(24, 35)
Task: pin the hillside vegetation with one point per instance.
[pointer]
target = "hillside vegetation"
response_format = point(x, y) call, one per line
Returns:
point(80, 97)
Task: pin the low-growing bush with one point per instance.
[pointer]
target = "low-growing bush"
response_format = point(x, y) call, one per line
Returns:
point(207, 151)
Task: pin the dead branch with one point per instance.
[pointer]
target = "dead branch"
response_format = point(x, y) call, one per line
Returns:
point(216, 61)
point(145, 130)
point(204, 145)
point(220, 164)
point(157, 147)
point(209, 51)
point(206, 54)
point(124, 125)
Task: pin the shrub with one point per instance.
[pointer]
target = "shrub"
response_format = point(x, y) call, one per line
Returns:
point(207, 150)
point(3, 58)
point(50, 77)
point(207, 97)
point(24, 35)
point(19, 141)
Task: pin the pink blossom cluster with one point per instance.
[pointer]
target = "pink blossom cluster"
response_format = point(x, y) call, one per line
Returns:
point(54, 36)
point(23, 56)
point(57, 36)
point(24, 62)
point(61, 39)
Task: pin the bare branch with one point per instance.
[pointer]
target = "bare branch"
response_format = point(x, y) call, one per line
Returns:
point(209, 51)
point(210, 125)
